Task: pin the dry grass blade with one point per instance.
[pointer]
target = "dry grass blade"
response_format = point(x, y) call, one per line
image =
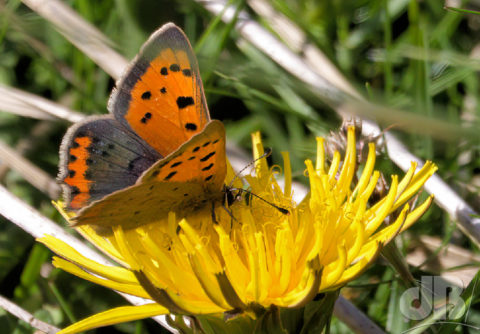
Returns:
point(355, 319)
point(34, 175)
point(22, 314)
point(18, 25)
point(296, 39)
point(279, 52)
point(37, 225)
point(29, 143)
point(318, 62)
point(262, 39)
point(465, 262)
point(82, 34)
point(445, 197)
point(31, 221)
point(29, 105)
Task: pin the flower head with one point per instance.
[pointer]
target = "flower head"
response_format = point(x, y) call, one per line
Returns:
point(250, 256)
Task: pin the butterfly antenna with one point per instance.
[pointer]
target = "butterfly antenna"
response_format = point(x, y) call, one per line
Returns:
point(279, 208)
point(266, 154)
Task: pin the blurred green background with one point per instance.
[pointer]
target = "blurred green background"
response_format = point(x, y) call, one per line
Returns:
point(416, 56)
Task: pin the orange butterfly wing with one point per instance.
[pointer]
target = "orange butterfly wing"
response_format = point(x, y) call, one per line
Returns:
point(161, 96)
point(157, 106)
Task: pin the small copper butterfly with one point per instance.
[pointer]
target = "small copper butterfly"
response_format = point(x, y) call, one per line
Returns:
point(156, 151)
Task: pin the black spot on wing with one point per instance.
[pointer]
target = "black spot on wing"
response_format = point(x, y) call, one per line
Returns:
point(75, 191)
point(206, 144)
point(146, 117)
point(163, 90)
point(216, 141)
point(191, 126)
point(174, 68)
point(75, 144)
point(71, 173)
point(207, 167)
point(131, 163)
point(208, 156)
point(185, 101)
point(208, 178)
point(163, 71)
point(178, 163)
point(72, 157)
point(169, 176)
point(146, 95)
point(191, 158)
point(187, 72)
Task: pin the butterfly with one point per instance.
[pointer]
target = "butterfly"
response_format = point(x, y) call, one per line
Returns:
point(156, 151)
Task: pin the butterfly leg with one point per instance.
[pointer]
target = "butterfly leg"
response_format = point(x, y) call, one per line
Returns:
point(230, 213)
point(214, 217)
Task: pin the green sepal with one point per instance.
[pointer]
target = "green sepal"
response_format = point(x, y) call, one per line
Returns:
point(314, 317)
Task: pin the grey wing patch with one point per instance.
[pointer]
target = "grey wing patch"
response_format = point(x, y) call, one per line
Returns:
point(99, 156)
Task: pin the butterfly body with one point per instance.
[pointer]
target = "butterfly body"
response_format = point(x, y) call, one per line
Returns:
point(157, 151)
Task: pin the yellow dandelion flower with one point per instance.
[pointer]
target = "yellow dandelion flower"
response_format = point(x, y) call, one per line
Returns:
point(253, 258)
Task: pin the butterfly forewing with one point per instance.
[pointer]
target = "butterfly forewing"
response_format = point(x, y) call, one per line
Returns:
point(184, 181)
point(161, 96)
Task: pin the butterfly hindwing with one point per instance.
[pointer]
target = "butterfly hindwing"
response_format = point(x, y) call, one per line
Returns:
point(184, 181)
point(160, 97)
point(201, 160)
point(97, 157)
